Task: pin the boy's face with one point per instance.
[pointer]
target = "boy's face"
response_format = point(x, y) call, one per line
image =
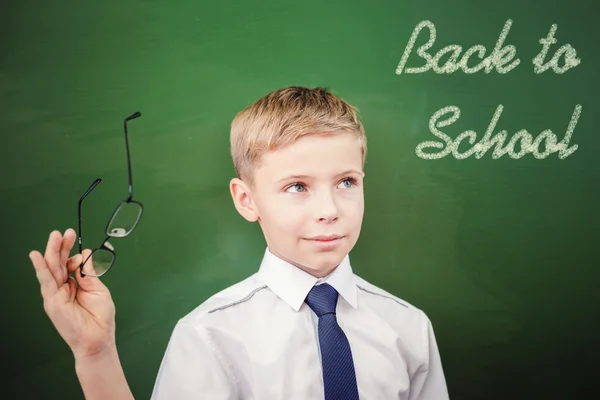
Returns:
point(308, 200)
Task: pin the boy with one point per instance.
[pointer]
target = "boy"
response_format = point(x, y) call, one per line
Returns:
point(302, 327)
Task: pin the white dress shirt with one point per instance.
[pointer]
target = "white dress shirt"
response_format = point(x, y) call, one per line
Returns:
point(258, 340)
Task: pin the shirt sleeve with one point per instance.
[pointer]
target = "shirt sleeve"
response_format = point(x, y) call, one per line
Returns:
point(191, 368)
point(429, 382)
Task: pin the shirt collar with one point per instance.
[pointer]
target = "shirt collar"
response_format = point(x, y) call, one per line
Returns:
point(292, 284)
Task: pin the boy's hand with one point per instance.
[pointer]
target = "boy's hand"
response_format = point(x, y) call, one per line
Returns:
point(84, 316)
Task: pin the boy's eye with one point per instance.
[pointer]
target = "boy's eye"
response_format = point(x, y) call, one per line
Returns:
point(348, 182)
point(298, 186)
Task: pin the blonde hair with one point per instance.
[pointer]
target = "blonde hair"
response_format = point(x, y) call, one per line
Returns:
point(284, 116)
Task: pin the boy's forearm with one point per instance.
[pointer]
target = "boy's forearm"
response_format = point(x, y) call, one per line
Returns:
point(102, 377)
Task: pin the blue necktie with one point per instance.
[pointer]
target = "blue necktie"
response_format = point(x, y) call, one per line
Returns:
point(338, 368)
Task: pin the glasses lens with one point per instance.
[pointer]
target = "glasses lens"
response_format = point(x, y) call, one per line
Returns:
point(124, 220)
point(98, 263)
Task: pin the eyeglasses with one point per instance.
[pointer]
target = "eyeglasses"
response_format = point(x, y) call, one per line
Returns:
point(122, 222)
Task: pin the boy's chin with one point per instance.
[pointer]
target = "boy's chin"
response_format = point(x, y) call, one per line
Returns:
point(324, 262)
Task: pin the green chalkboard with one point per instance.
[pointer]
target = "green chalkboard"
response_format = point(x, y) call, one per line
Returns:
point(496, 242)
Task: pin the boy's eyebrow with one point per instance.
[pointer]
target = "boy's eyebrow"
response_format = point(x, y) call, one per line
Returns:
point(350, 171)
point(287, 178)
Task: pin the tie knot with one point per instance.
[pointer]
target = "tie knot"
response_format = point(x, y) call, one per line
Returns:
point(322, 299)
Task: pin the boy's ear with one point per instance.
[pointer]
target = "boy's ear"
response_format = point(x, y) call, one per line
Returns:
point(242, 199)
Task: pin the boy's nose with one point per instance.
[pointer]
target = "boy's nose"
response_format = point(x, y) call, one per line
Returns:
point(327, 210)
point(330, 217)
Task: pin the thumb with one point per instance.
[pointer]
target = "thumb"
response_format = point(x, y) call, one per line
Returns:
point(88, 283)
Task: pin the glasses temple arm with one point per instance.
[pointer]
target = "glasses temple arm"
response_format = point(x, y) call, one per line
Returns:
point(133, 116)
point(88, 191)
point(79, 227)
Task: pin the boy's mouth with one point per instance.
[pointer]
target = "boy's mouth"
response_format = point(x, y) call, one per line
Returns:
point(324, 238)
point(323, 242)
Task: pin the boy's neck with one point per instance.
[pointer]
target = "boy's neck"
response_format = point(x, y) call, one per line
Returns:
point(315, 273)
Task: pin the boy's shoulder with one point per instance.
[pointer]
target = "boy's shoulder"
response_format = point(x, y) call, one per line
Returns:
point(369, 288)
point(237, 298)
point(230, 296)
point(387, 303)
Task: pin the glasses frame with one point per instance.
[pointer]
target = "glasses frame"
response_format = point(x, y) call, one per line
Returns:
point(129, 199)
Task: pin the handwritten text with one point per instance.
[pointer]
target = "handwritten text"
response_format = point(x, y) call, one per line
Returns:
point(541, 147)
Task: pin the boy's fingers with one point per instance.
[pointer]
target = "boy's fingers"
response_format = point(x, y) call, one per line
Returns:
point(45, 278)
point(88, 259)
point(52, 256)
point(74, 262)
point(65, 250)
point(72, 288)
point(66, 246)
point(87, 283)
